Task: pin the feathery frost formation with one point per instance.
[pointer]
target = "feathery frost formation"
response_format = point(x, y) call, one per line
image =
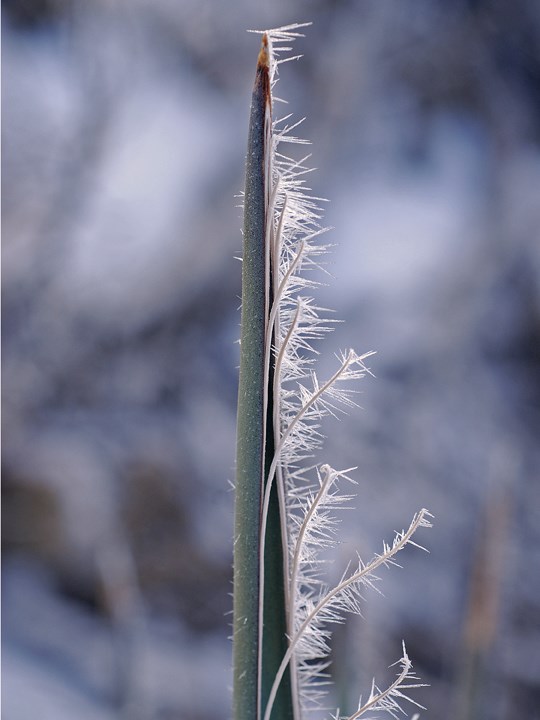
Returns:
point(309, 496)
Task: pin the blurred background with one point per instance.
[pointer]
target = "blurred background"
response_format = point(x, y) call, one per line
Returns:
point(124, 132)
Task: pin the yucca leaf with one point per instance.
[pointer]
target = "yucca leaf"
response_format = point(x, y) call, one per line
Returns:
point(285, 505)
point(260, 626)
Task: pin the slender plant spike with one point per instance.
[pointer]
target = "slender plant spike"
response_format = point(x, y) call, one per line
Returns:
point(286, 506)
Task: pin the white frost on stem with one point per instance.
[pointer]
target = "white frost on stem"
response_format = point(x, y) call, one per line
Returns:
point(345, 597)
point(300, 401)
point(388, 700)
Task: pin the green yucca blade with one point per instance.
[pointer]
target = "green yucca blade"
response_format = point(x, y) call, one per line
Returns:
point(255, 666)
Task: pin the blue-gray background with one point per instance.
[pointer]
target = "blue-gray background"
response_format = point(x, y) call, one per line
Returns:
point(124, 126)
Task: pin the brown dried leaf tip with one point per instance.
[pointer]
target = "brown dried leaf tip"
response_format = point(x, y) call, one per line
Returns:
point(263, 61)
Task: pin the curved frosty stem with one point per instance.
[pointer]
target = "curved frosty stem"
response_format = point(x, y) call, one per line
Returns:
point(418, 521)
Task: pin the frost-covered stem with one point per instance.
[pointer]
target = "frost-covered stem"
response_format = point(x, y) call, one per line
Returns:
point(297, 418)
point(363, 573)
point(378, 697)
point(288, 598)
point(279, 447)
point(296, 557)
point(303, 528)
point(273, 330)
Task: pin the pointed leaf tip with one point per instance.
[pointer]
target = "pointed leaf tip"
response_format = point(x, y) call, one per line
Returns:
point(263, 60)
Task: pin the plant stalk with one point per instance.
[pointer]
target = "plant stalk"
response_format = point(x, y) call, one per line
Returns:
point(260, 632)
